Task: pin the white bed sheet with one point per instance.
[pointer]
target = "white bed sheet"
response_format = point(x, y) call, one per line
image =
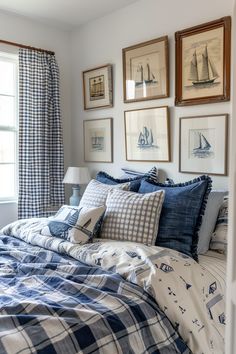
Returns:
point(215, 263)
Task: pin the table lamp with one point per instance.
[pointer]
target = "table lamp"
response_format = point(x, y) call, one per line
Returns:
point(76, 176)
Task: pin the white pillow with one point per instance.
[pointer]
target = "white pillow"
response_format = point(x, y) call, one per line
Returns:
point(75, 224)
point(209, 219)
point(96, 193)
point(132, 216)
point(219, 237)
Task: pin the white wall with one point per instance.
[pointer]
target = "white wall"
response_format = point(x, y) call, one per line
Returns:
point(19, 29)
point(231, 256)
point(101, 42)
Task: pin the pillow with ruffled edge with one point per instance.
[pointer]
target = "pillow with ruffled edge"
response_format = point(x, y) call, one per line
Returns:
point(182, 212)
point(75, 224)
point(134, 180)
point(105, 178)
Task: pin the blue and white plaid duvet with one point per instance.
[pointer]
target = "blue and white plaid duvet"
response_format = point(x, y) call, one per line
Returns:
point(54, 304)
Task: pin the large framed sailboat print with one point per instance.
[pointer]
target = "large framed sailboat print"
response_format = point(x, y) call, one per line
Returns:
point(147, 134)
point(146, 70)
point(203, 63)
point(203, 142)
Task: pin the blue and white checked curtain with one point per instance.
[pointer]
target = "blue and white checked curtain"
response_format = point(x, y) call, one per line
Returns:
point(41, 160)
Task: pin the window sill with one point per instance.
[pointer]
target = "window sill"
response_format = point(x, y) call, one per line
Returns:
point(14, 201)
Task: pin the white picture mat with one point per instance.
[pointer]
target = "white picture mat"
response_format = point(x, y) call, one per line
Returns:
point(107, 83)
point(98, 128)
point(155, 120)
point(214, 128)
point(155, 55)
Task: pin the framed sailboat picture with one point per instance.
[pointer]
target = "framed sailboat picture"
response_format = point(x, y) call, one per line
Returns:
point(97, 87)
point(98, 140)
point(146, 70)
point(203, 63)
point(147, 134)
point(203, 144)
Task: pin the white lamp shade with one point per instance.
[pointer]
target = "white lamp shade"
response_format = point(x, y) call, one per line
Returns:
point(77, 175)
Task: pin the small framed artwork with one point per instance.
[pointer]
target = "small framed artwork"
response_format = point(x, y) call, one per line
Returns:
point(147, 134)
point(203, 144)
point(98, 140)
point(97, 85)
point(203, 63)
point(146, 70)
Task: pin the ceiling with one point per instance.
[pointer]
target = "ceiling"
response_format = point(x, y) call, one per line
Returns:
point(64, 14)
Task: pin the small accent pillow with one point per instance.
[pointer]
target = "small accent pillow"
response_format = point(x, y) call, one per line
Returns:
point(96, 193)
point(151, 174)
point(181, 214)
point(209, 219)
point(75, 224)
point(219, 237)
point(132, 216)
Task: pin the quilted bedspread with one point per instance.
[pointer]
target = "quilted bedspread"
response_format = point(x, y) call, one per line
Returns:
point(189, 296)
point(51, 303)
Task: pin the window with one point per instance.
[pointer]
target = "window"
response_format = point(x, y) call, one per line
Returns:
point(8, 126)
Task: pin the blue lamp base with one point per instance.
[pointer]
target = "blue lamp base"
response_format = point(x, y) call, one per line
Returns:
point(75, 198)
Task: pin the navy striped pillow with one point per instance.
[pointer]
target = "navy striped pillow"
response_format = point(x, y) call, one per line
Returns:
point(152, 174)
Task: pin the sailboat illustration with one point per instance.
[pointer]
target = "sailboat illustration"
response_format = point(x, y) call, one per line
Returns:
point(166, 268)
point(97, 142)
point(222, 318)
point(58, 228)
point(203, 149)
point(212, 288)
point(208, 71)
point(145, 139)
point(144, 75)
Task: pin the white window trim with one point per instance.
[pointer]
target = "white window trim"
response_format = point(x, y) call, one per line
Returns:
point(13, 58)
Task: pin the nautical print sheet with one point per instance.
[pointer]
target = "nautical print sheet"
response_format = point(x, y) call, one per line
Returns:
point(189, 294)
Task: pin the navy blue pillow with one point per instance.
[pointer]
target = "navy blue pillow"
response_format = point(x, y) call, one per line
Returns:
point(105, 178)
point(181, 214)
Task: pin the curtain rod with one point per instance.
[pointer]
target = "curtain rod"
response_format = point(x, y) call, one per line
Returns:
point(26, 47)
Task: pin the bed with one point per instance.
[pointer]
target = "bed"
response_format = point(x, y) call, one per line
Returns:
point(105, 296)
point(62, 290)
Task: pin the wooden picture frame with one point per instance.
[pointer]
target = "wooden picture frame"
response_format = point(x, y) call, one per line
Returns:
point(98, 140)
point(98, 87)
point(203, 144)
point(147, 134)
point(146, 70)
point(203, 63)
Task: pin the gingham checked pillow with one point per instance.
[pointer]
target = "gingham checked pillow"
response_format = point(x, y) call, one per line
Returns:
point(96, 193)
point(131, 216)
